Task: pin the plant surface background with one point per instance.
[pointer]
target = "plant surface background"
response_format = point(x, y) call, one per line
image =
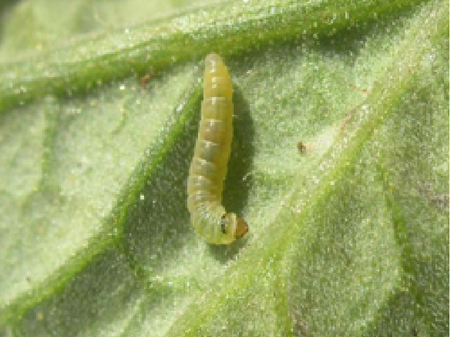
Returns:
point(339, 164)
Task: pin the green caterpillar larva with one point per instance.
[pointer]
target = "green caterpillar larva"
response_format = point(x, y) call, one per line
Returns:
point(209, 165)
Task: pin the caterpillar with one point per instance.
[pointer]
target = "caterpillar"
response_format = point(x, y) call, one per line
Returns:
point(209, 164)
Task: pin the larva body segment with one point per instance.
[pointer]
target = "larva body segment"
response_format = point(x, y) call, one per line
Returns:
point(209, 165)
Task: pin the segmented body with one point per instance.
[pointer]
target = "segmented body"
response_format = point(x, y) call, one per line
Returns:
point(209, 164)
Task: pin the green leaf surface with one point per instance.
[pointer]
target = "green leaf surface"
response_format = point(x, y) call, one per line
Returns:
point(339, 164)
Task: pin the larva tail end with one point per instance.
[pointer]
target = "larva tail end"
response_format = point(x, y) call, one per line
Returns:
point(212, 60)
point(241, 228)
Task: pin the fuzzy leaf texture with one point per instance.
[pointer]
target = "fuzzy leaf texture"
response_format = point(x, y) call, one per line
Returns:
point(339, 164)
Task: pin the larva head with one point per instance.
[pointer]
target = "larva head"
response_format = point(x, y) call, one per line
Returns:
point(233, 226)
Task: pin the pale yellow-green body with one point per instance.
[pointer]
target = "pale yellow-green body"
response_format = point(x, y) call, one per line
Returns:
point(209, 165)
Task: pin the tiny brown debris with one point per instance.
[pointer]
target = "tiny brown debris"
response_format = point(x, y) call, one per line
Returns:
point(301, 147)
point(145, 79)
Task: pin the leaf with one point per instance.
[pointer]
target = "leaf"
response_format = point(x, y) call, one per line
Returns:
point(339, 164)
